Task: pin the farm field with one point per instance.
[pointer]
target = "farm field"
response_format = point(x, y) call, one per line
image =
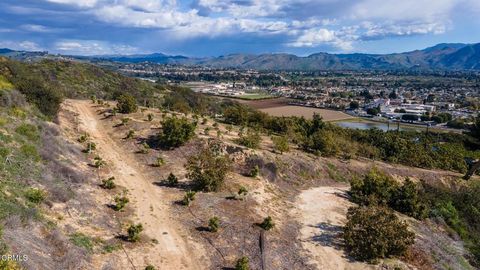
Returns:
point(289, 110)
point(255, 96)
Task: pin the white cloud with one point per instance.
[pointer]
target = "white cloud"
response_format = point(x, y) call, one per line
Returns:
point(91, 47)
point(25, 45)
point(80, 3)
point(38, 28)
point(307, 23)
point(322, 36)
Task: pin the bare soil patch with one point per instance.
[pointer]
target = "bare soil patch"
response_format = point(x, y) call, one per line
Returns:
point(307, 112)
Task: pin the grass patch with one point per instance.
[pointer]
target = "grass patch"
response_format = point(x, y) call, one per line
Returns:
point(5, 84)
point(335, 174)
point(109, 248)
point(254, 96)
point(83, 241)
point(29, 131)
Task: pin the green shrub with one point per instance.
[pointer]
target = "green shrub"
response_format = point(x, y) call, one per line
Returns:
point(159, 162)
point(378, 188)
point(267, 224)
point(280, 144)
point(150, 117)
point(214, 224)
point(29, 131)
point(254, 171)
point(108, 183)
point(188, 198)
point(375, 232)
point(175, 132)
point(91, 146)
point(30, 151)
point(242, 191)
point(375, 188)
point(35, 195)
point(150, 267)
point(98, 162)
point(251, 140)
point(208, 168)
point(130, 134)
point(172, 180)
point(82, 240)
point(242, 264)
point(46, 98)
point(145, 148)
point(83, 138)
point(125, 121)
point(134, 232)
point(120, 202)
point(406, 199)
point(127, 104)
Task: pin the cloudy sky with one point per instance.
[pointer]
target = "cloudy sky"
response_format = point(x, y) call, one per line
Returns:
point(217, 27)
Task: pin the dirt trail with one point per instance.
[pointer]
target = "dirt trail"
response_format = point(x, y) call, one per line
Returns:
point(175, 249)
point(322, 212)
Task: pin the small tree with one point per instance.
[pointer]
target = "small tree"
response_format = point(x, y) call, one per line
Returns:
point(134, 232)
point(120, 202)
point(375, 232)
point(242, 264)
point(188, 198)
point(172, 180)
point(267, 223)
point(127, 104)
point(280, 144)
point(35, 195)
point(254, 171)
point(208, 168)
point(91, 146)
point(204, 121)
point(375, 187)
point(242, 192)
point(83, 138)
point(145, 148)
point(98, 162)
point(159, 162)
point(251, 140)
point(108, 183)
point(175, 132)
point(214, 224)
point(130, 134)
point(150, 267)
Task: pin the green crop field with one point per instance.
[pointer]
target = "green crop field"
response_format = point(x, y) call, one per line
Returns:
point(255, 96)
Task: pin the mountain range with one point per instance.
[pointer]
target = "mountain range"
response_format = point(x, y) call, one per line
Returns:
point(445, 56)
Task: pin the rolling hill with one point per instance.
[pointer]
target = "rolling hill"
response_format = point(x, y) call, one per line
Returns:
point(445, 56)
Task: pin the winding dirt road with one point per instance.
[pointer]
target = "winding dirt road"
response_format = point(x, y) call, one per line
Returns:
point(175, 249)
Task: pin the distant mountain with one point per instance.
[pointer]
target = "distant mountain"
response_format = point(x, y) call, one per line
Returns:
point(445, 56)
point(159, 58)
point(4, 51)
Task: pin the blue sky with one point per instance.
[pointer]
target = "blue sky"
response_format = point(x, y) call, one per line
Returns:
point(218, 27)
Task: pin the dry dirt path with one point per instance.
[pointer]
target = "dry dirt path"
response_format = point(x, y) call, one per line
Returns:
point(322, 211)
point(175, 249)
